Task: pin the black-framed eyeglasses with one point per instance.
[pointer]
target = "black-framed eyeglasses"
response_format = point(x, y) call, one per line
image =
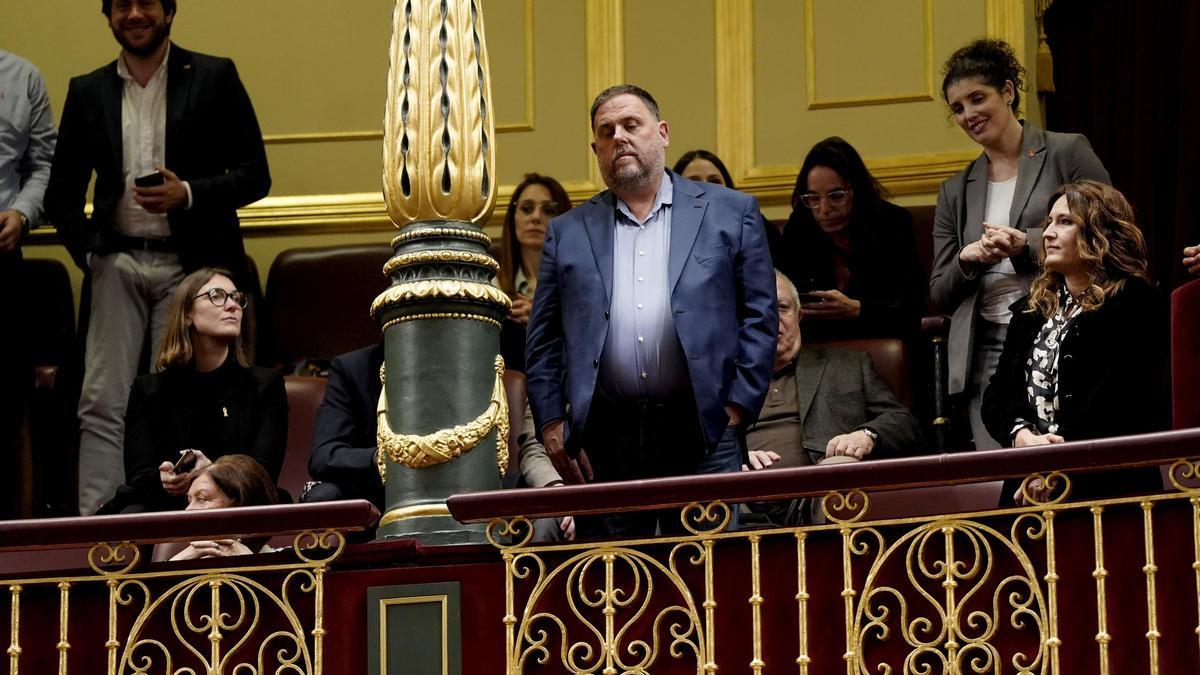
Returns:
point(835, 197)
point(218, 296)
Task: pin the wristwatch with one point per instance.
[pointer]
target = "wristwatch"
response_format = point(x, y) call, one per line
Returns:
point(871, 434)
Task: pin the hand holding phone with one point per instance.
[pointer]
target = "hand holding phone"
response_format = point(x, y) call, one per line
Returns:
point(152, 179)
point(186, 462)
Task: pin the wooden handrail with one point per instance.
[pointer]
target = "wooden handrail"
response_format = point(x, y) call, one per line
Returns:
point(776, 484)
point(149, 528)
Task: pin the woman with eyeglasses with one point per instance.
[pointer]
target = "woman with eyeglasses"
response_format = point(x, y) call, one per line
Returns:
point(987, 230)
point(205, 401)
point(536, 200)
point(850, 253)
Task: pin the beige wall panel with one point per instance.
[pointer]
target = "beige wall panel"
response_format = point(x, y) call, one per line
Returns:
point(505, 23)
point(785, 126)
point(557, 145)
point(846, 48)
point(669, 52)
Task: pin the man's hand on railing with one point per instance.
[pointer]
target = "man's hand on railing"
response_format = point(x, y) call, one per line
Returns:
point(1026, 437)
point(761, 459)
point(856, 444)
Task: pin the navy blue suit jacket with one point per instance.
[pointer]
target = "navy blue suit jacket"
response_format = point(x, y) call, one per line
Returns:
point(722, 296)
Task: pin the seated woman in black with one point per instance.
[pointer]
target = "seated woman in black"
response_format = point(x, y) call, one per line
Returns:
point(205, 398)
point(1086, 353)
point(232, 480)
point(851, 254)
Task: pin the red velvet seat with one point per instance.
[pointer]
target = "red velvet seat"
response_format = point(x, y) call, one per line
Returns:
point(1185, 355)
point(304, 395)
point(318, 302)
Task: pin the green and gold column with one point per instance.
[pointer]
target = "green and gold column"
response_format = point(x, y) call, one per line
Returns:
point(443, 418)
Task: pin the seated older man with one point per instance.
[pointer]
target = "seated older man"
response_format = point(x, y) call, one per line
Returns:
point(824, 405)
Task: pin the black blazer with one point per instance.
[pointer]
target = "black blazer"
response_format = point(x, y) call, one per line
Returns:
point(212, 141)
point(344, 433)
point(1112, 379)
point(885, 271)
point(230, 410)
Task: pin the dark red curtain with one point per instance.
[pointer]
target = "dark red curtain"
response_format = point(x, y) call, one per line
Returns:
point(1127, 76)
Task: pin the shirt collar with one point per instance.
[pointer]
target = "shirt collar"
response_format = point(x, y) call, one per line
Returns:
point(124, 73)
point(664, 197)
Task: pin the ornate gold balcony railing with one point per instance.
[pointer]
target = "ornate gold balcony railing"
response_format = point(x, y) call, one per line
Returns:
point(241, 615)
point(1061, 586)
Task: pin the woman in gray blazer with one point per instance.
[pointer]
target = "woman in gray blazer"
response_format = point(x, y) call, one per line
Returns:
point(987, 231)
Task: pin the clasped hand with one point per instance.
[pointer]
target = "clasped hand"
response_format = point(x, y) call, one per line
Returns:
point(995, 244)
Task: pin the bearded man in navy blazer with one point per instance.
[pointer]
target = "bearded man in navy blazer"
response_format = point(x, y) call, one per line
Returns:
point(652, 335)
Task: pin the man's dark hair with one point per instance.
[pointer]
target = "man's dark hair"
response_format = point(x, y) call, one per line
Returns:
point(620, 89)
point(167, 5)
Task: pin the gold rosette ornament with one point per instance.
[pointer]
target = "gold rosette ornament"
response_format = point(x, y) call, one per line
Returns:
point(419, 452)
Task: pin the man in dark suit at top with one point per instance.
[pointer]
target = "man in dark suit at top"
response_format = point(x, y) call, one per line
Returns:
point(175, 147)
point(652, 333)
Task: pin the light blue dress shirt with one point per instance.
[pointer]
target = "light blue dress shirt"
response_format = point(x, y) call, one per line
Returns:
point(642, 356)
point(26, 137)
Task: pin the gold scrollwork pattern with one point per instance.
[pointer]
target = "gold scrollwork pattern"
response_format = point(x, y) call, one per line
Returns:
point(441, 256)
point(1045, 489)
point(968, 588)
point(419, 452)
point(626, 611)
point(211, 618)
point(113, 558)
point(440, 289)
point(845, 507)
point(1184, 474)
point(247, 619)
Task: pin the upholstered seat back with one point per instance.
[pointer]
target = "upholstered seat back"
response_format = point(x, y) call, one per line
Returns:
point(318, 302)
point(304, 395)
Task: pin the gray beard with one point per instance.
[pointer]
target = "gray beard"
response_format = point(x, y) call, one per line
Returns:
point(629, 178)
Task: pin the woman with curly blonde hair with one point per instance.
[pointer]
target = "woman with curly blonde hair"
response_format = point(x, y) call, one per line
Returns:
point(1086, 353)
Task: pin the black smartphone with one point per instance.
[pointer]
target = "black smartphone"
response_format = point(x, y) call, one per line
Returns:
point(186, 462)
point(152, 179)
point(809, 298)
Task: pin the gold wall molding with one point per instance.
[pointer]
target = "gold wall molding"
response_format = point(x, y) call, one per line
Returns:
point(733, 42)
point(810, 47)
point(604, 26)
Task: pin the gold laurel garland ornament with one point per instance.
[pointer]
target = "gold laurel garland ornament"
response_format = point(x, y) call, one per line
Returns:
point(419, 452)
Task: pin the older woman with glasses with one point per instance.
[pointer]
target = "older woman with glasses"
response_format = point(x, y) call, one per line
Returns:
point(851, 254)
point(206, 401)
